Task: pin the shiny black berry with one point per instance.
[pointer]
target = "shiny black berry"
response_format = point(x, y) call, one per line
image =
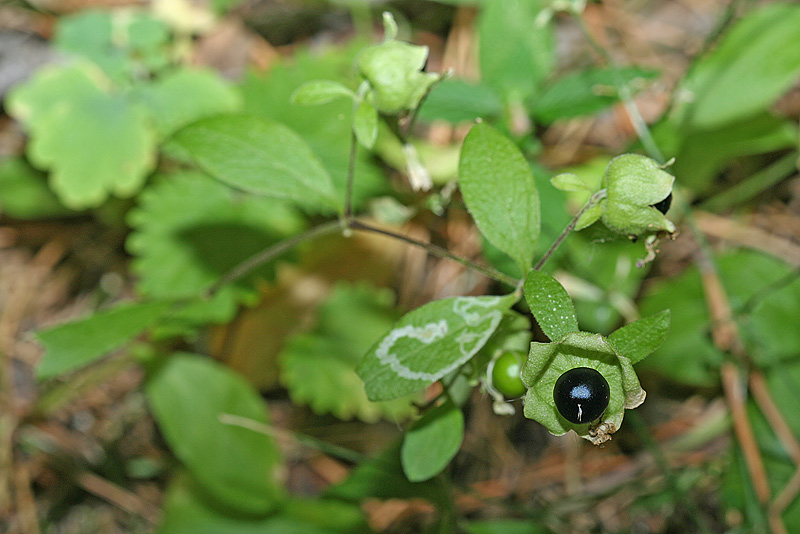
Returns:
point(664, 205)
point(581, 395)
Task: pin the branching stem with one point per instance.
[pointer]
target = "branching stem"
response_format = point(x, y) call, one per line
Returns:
point(439, 252)
point(272, 252)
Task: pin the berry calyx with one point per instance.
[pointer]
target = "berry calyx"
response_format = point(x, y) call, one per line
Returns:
point(581, 395)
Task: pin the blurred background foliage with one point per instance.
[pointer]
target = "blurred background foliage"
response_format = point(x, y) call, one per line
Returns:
point(97, 207)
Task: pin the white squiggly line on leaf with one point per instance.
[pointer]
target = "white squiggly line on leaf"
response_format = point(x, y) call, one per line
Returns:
point(425, 334)
point(471, 310)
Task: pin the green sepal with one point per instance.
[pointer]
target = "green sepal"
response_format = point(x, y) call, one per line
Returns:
point(548, 361)
point(393, 70)
point(634, 183)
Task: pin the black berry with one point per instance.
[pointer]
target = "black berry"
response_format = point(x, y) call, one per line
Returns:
point(581, 395)
point(664, 205)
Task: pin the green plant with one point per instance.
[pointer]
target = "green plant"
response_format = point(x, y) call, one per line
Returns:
point(249, 184)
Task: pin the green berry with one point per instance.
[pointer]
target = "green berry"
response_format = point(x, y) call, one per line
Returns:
point(504, 374)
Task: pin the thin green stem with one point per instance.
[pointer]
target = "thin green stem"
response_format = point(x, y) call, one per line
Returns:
point(635, 116)
point(439, 252)
point(272, 252)
point(351, 174)
point(594, 199)
point(303, 439)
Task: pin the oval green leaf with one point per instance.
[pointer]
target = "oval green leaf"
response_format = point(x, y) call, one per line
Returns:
point(756, 61)
point(550, 305)
point(73, 345)
point(428, 343)
point(259, 156)
point(189, 397)
point(318, 92)
point(365, 124)
point(640, 338)
point(432, 442)
point(500, 193)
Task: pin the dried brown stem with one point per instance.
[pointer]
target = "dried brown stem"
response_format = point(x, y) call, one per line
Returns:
point(734, 394)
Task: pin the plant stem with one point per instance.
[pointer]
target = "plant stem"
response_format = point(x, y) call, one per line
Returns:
point(637, 121)
point(351, 173)
point(594, 199)
point(271, 252)
point(438, 251)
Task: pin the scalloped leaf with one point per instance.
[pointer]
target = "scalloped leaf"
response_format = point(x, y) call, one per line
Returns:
point(430, 342)
point(24, 193)
point(640, 338)
point(259, 156)
point(190, 229)
point(188, 396)
point(94, 143)
point(184, 96)
point(550, 305)
point(318, 368)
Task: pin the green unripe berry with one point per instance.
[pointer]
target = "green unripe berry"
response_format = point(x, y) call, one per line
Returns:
point(504, 374)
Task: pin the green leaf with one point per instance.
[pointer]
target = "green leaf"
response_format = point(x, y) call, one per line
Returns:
point(500, 192)
point(259, 156)
point(505, 526)
point(515, 53)
point(189, 510)
point(326, 128)
point(365, 124)
point(91, 34)
point(236, 465)
point(432, 442)
point(24, 193)
point(318, 92)
point(73, 345)
point(640, 338)
point(93, 142)
point(752, 65)
point(457, 101)
point(318, 368)
point(586, 92)
point(550, 305)
point(762, 290)
point(567, 181)
point(382, 477)
point(123, 45)
point(184, 96)
point(190, 229)
point(702, 155)
point(589, 217)
point(429, 343)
